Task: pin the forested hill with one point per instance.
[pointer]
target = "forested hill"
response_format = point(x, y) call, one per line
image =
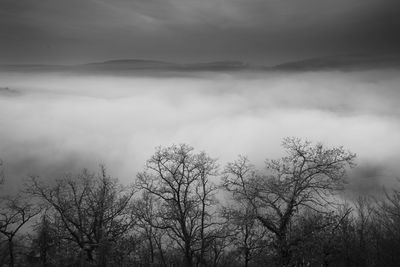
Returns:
point(342, 62)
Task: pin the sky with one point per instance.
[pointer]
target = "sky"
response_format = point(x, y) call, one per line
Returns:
point(254, 31)
point(55, 122)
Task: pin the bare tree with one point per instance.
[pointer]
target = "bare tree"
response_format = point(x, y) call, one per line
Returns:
point(44, 243)
point(145, 210)
point(94, 210)
point(387, 219)
point(321, 238)
point(15, 212)
point(364, 211)
point(247, 236)
point(179, 180)
point(306, 177)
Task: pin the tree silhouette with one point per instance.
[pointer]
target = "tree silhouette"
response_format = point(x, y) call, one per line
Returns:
point(306, 177)
point(179, 180)
point(94, 210)
point(15, 212)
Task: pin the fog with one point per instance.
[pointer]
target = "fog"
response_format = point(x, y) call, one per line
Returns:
point(52, 123)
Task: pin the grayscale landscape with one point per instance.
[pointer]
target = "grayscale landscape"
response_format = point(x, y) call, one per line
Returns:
point(188, 133)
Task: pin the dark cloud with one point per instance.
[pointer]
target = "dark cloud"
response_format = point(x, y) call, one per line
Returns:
point(252, 30)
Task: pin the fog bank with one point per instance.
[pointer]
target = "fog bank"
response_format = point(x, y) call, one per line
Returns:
point(53, 123)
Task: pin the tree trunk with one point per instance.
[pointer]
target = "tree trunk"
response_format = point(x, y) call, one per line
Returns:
point(247, 250)
point(89, 255)
point(188, 255)
point(203, 214)
point(102, 253)
point(246, 258)
point(11, 252)
point(283, 251)
point(159, 246)
point(215, 261)
point(151, 248)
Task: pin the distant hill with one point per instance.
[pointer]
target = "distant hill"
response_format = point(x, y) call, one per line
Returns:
point(126, 66)
point(129, 64)
point(348, 62)
point(140, 64)
point(218, 65)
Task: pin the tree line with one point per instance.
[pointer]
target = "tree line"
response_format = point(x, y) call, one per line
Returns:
point(183, 209)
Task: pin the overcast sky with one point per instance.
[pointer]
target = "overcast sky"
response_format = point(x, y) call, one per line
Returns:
point(258, 31)
point(52, 123)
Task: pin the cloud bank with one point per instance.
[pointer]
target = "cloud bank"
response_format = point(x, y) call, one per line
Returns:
point(54, 123)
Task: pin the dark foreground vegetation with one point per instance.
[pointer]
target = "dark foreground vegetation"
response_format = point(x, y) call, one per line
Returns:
point(185, 210)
